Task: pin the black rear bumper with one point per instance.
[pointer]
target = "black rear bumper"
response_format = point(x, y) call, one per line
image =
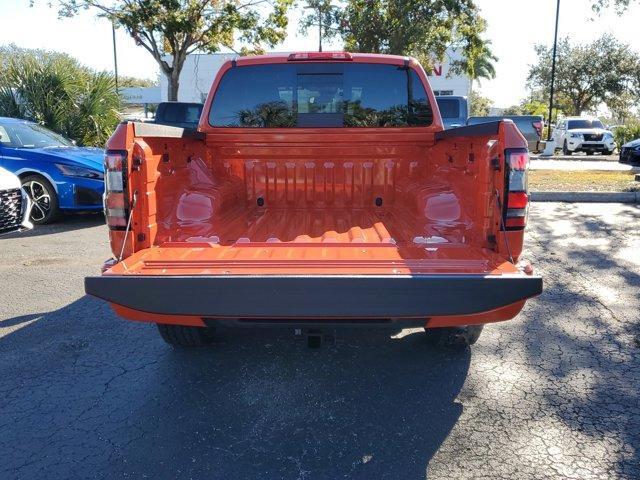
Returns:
point(338, 296)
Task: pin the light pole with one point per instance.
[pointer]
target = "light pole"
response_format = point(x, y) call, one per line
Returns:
point(319, 28)
point(115, 55)
point(317, 5)
point(553, 72)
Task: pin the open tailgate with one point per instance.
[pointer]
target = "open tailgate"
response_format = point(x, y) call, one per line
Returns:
point(276, 281)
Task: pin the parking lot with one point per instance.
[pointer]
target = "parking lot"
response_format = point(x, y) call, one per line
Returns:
point(552, 394)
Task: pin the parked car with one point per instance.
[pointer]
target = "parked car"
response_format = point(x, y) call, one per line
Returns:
point(529, 125)
point(15, 204)
point(179, 114)
point(454, 110)
point(583, 134)
point(630, 152)
point(57, 175)
point(350, 206)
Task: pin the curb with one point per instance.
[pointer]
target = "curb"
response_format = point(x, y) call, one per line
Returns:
point(601, 158)
point(586, 197)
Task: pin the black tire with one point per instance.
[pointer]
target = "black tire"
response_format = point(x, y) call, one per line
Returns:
point(565, 149)
point(453, 337)
point(184, 336)
point(45, 207)
point(589, 153)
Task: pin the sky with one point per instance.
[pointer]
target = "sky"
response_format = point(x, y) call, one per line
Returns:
point(514, 27)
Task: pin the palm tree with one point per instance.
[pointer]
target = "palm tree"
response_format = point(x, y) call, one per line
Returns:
point(54, 90)
point(477, 63)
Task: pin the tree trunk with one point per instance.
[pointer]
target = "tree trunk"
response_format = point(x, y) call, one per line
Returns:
point(173, 80)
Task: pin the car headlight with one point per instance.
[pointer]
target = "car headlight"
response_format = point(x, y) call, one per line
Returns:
point(608, 136)
point(576, 135)
point(74, 171)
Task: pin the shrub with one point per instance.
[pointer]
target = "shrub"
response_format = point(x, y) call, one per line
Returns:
point(56, 91)
point(626, 133)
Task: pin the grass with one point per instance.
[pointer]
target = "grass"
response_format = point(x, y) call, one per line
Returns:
point(582, 181)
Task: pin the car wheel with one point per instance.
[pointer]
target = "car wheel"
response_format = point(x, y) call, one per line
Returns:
point(453, 337)
point(589, 153)
point(565, 149)
point(44, 198)
point(185, 336)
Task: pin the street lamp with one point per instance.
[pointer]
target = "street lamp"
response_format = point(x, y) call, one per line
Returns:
point(553, 72)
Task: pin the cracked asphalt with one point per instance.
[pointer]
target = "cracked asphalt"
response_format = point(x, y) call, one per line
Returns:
point(551, 394)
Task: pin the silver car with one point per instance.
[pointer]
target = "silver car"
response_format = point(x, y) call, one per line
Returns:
point(15, 204)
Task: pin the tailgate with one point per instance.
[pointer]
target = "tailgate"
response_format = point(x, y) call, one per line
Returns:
point(280, 281)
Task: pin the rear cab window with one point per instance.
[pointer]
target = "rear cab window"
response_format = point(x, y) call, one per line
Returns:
point(320, 95)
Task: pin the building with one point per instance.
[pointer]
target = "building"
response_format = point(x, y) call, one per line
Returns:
point(199, 70)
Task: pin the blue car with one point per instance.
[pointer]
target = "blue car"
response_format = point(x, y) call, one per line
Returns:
point(58, 176)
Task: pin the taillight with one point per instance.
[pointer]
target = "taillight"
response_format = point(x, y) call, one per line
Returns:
point(538, 126)
point(116, 196)
point(517, 198)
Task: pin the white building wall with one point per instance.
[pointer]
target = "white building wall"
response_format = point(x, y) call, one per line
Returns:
point(199, 70)
point(196, 77)
point(444, 83)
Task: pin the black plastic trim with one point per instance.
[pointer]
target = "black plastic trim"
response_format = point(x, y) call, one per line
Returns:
point(341, 296)
point(478, 130)
point(314, 323)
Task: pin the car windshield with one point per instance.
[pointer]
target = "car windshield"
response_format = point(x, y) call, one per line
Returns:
point(30, 135)
point(574, 124)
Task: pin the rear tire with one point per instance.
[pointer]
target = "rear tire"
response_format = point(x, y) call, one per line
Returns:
point(44, 198)
point(185, 336)
point(453, 337)
point(565, 149)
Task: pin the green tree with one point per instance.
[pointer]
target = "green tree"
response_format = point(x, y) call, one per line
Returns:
point(56, 91)
point(586, 75)
point(124, 81)
point(477, 61)
point(321, 15)
point(421, 28)
point(513, 110)
point(620, 6)
point(177, 28)
point(479, 106)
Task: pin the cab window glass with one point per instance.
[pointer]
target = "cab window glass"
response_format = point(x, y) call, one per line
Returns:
point(320, 95)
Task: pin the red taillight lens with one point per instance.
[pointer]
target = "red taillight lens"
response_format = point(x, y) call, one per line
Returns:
point(517, 204)
point(344, 56)
point(518, 200)
point(538, 126)
point(116, 201)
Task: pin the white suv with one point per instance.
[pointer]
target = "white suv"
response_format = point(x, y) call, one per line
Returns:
point(580, 134)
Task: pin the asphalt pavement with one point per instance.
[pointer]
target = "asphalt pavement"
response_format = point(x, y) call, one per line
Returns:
point(551, 394)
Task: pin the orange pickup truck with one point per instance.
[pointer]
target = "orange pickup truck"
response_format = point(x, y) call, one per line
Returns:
point(319, 189)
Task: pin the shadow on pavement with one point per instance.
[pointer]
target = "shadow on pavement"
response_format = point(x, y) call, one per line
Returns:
point(66, 223)
point(87, 395)
point(581, 335)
